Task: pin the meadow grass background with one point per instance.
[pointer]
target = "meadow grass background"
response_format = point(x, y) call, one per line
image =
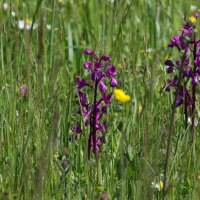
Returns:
point(35, 127)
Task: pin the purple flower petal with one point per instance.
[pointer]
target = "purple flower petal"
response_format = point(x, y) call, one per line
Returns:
point(103, 139)
point(186, 73)
point(102, 87)
point(113, 82)
point(187, 25)
point(81, 84)
point(71, 138)
point(170, 69)
point(169, 63)
point(107, 99)
point(72, 128)
point(104, 109)
point(179, 101)
point(94, 75)
point(98, 65)
point(168, 88)
point(195, 62)
point(198, 70)
point(195, 81)
point(87, 65)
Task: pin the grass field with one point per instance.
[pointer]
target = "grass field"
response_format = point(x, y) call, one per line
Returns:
point(42, 46)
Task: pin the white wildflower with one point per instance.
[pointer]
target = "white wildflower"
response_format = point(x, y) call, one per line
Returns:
point(48, 26)
point(13, 13)
point(193, 7)
point(5, 6)
point(190, 121)
point(149, 50)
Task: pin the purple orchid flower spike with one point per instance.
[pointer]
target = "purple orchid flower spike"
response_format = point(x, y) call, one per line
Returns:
point(93, 112)
point(186, 42)
point(82, 83)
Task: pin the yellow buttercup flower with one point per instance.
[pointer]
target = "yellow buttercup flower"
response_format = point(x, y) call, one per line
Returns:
point(192, 19)
point(119, 65)
point(121, 96)
point(166, 58)
point(56, 156)
point(142, 51)
point(140, 108)
point(60, 1)
point(149, 57)
point(28, 21)
point(99, 188)
point(160, 184)
point(164, 45)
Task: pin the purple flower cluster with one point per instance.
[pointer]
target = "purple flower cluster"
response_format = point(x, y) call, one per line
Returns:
point(93, 112)
point(184, 43)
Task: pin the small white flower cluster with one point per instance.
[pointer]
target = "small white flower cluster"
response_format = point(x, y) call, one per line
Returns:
point(26, 24)
point(190, 121)
point(149, 50)
point(158, 186)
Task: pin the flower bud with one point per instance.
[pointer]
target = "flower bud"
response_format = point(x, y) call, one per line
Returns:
point(104, 197)
point(196, 15)
point(105, 58)
point(65, 150)
point(88, 52)
point(64, 164)
point(194, 30)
